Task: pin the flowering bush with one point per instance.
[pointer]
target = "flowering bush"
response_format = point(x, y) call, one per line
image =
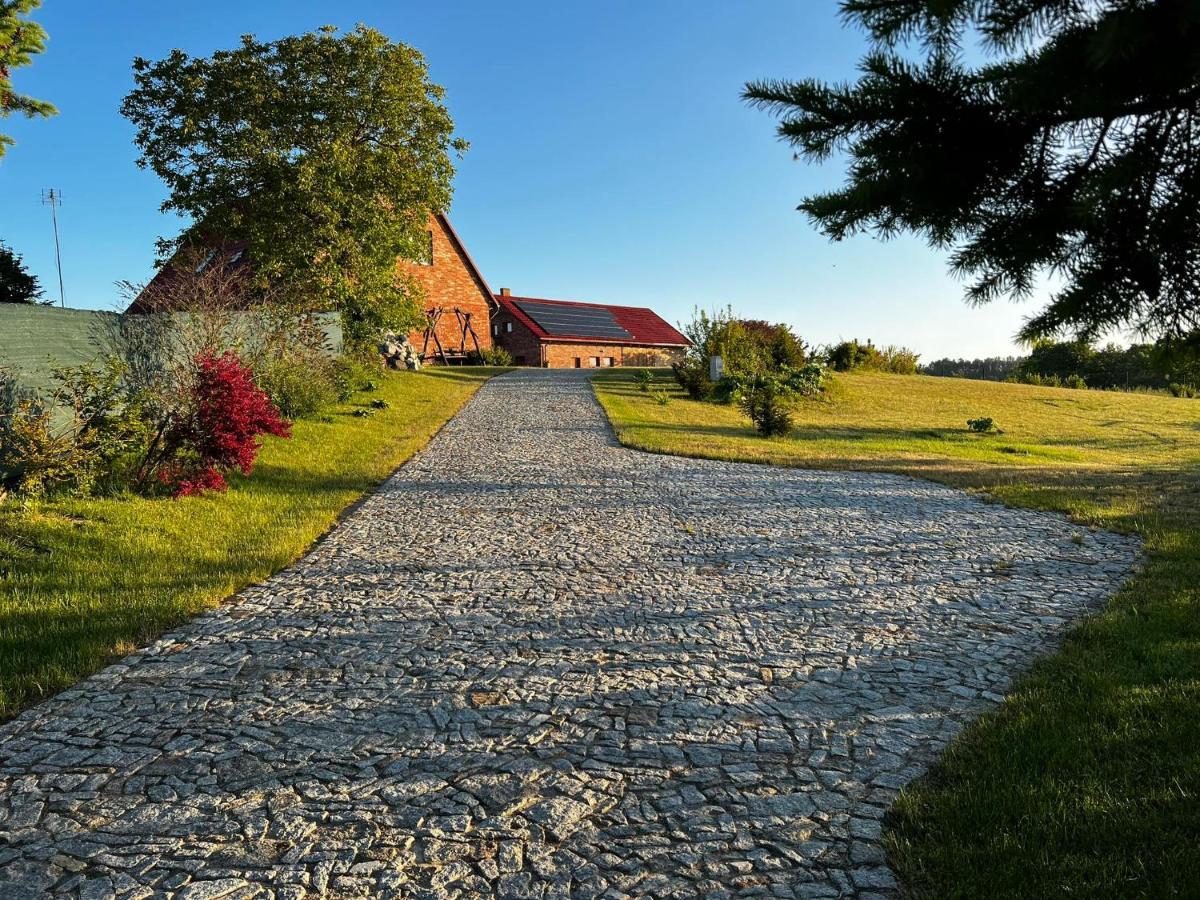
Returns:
point(220, 432)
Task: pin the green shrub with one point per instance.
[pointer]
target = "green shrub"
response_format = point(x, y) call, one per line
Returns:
point(380, 403)
point(692, 375)
point(706, 332)
point(491, 356)
point(1075, 381)
point(729, 387)
point(787, 350)
point(662, 398)
point(765, 401)
point(34, 459)
point(1036, 379)
point(299, 387)
point(350, 375)
point(748, 348)
point(898, 361)
point(808, 380)
point(982, 425)
point(92, 450)
point(745, 352)
point(849, 355)
point(1183, 390)
point(643, 378)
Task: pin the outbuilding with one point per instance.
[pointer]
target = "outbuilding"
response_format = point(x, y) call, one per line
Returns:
point(565, 334)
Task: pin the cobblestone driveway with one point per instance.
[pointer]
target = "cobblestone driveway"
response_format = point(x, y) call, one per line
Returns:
point(538, 664)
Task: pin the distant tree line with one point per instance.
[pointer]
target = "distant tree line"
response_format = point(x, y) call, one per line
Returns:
point(1164, 365)
point(992, 368)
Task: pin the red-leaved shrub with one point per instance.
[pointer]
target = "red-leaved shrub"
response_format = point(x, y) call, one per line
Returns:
point(228, 412)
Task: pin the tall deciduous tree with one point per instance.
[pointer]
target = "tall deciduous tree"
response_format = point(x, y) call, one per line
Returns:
point(17, 285)
point(325, 152)
point(20, 40)
point(1073, 148)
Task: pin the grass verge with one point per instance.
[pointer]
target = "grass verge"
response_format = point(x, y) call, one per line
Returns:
point(1086, 781)
point(83, 581)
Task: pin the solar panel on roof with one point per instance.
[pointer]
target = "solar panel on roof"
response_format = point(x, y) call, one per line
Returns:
point(574, 320)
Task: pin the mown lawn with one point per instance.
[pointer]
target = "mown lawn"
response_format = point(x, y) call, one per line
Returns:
point(1086, 781)
point(85, 581)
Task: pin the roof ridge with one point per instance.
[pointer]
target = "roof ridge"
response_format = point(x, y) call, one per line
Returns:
point(574, 302)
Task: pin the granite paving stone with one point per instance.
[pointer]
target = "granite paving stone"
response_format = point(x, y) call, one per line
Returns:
point(538, 664)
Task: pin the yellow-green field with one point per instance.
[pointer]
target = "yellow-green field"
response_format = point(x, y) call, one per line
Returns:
point(84, 581)
point(1086, 782)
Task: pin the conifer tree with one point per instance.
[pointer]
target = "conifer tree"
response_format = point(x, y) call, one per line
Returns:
point(17, 284)
point(1025, 137)
point(20, 40)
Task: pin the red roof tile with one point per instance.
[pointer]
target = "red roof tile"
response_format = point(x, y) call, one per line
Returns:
point(646, 326)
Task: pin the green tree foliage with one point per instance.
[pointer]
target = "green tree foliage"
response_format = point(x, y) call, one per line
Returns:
point(325, 152)
point(851, 354)
point(848, 355)
point(20, 40)
point(748, 348)
point(1060, 358)
point(1073, 147)
point(705, 332)
point(764, 400)
point(1075, 363)
point(17, 285)
point(1158, 366)
point(993, 368)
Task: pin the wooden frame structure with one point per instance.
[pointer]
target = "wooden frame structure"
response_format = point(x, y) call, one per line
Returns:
point(433, 317)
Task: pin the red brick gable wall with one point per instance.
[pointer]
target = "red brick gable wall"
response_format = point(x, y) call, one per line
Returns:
point(522, 343)
point(450, 282)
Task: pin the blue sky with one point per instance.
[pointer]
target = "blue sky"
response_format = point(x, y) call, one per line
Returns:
point(611, 159)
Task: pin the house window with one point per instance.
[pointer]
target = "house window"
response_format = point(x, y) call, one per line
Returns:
point(508, 327)
point(495, 331)
point(204, 262)
point(606, 362)
point(594, 362)
point(578, 363)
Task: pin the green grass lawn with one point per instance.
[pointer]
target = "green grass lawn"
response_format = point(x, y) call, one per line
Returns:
point(1086, 781)
point(85, 581)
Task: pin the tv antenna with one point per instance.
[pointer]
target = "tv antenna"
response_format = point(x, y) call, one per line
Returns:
point(52, 197)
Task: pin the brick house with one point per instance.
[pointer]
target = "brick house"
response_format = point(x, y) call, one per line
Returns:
point(564, 334)
point(452, 283)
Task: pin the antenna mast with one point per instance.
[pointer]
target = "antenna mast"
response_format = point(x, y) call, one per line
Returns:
point(53, 198)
